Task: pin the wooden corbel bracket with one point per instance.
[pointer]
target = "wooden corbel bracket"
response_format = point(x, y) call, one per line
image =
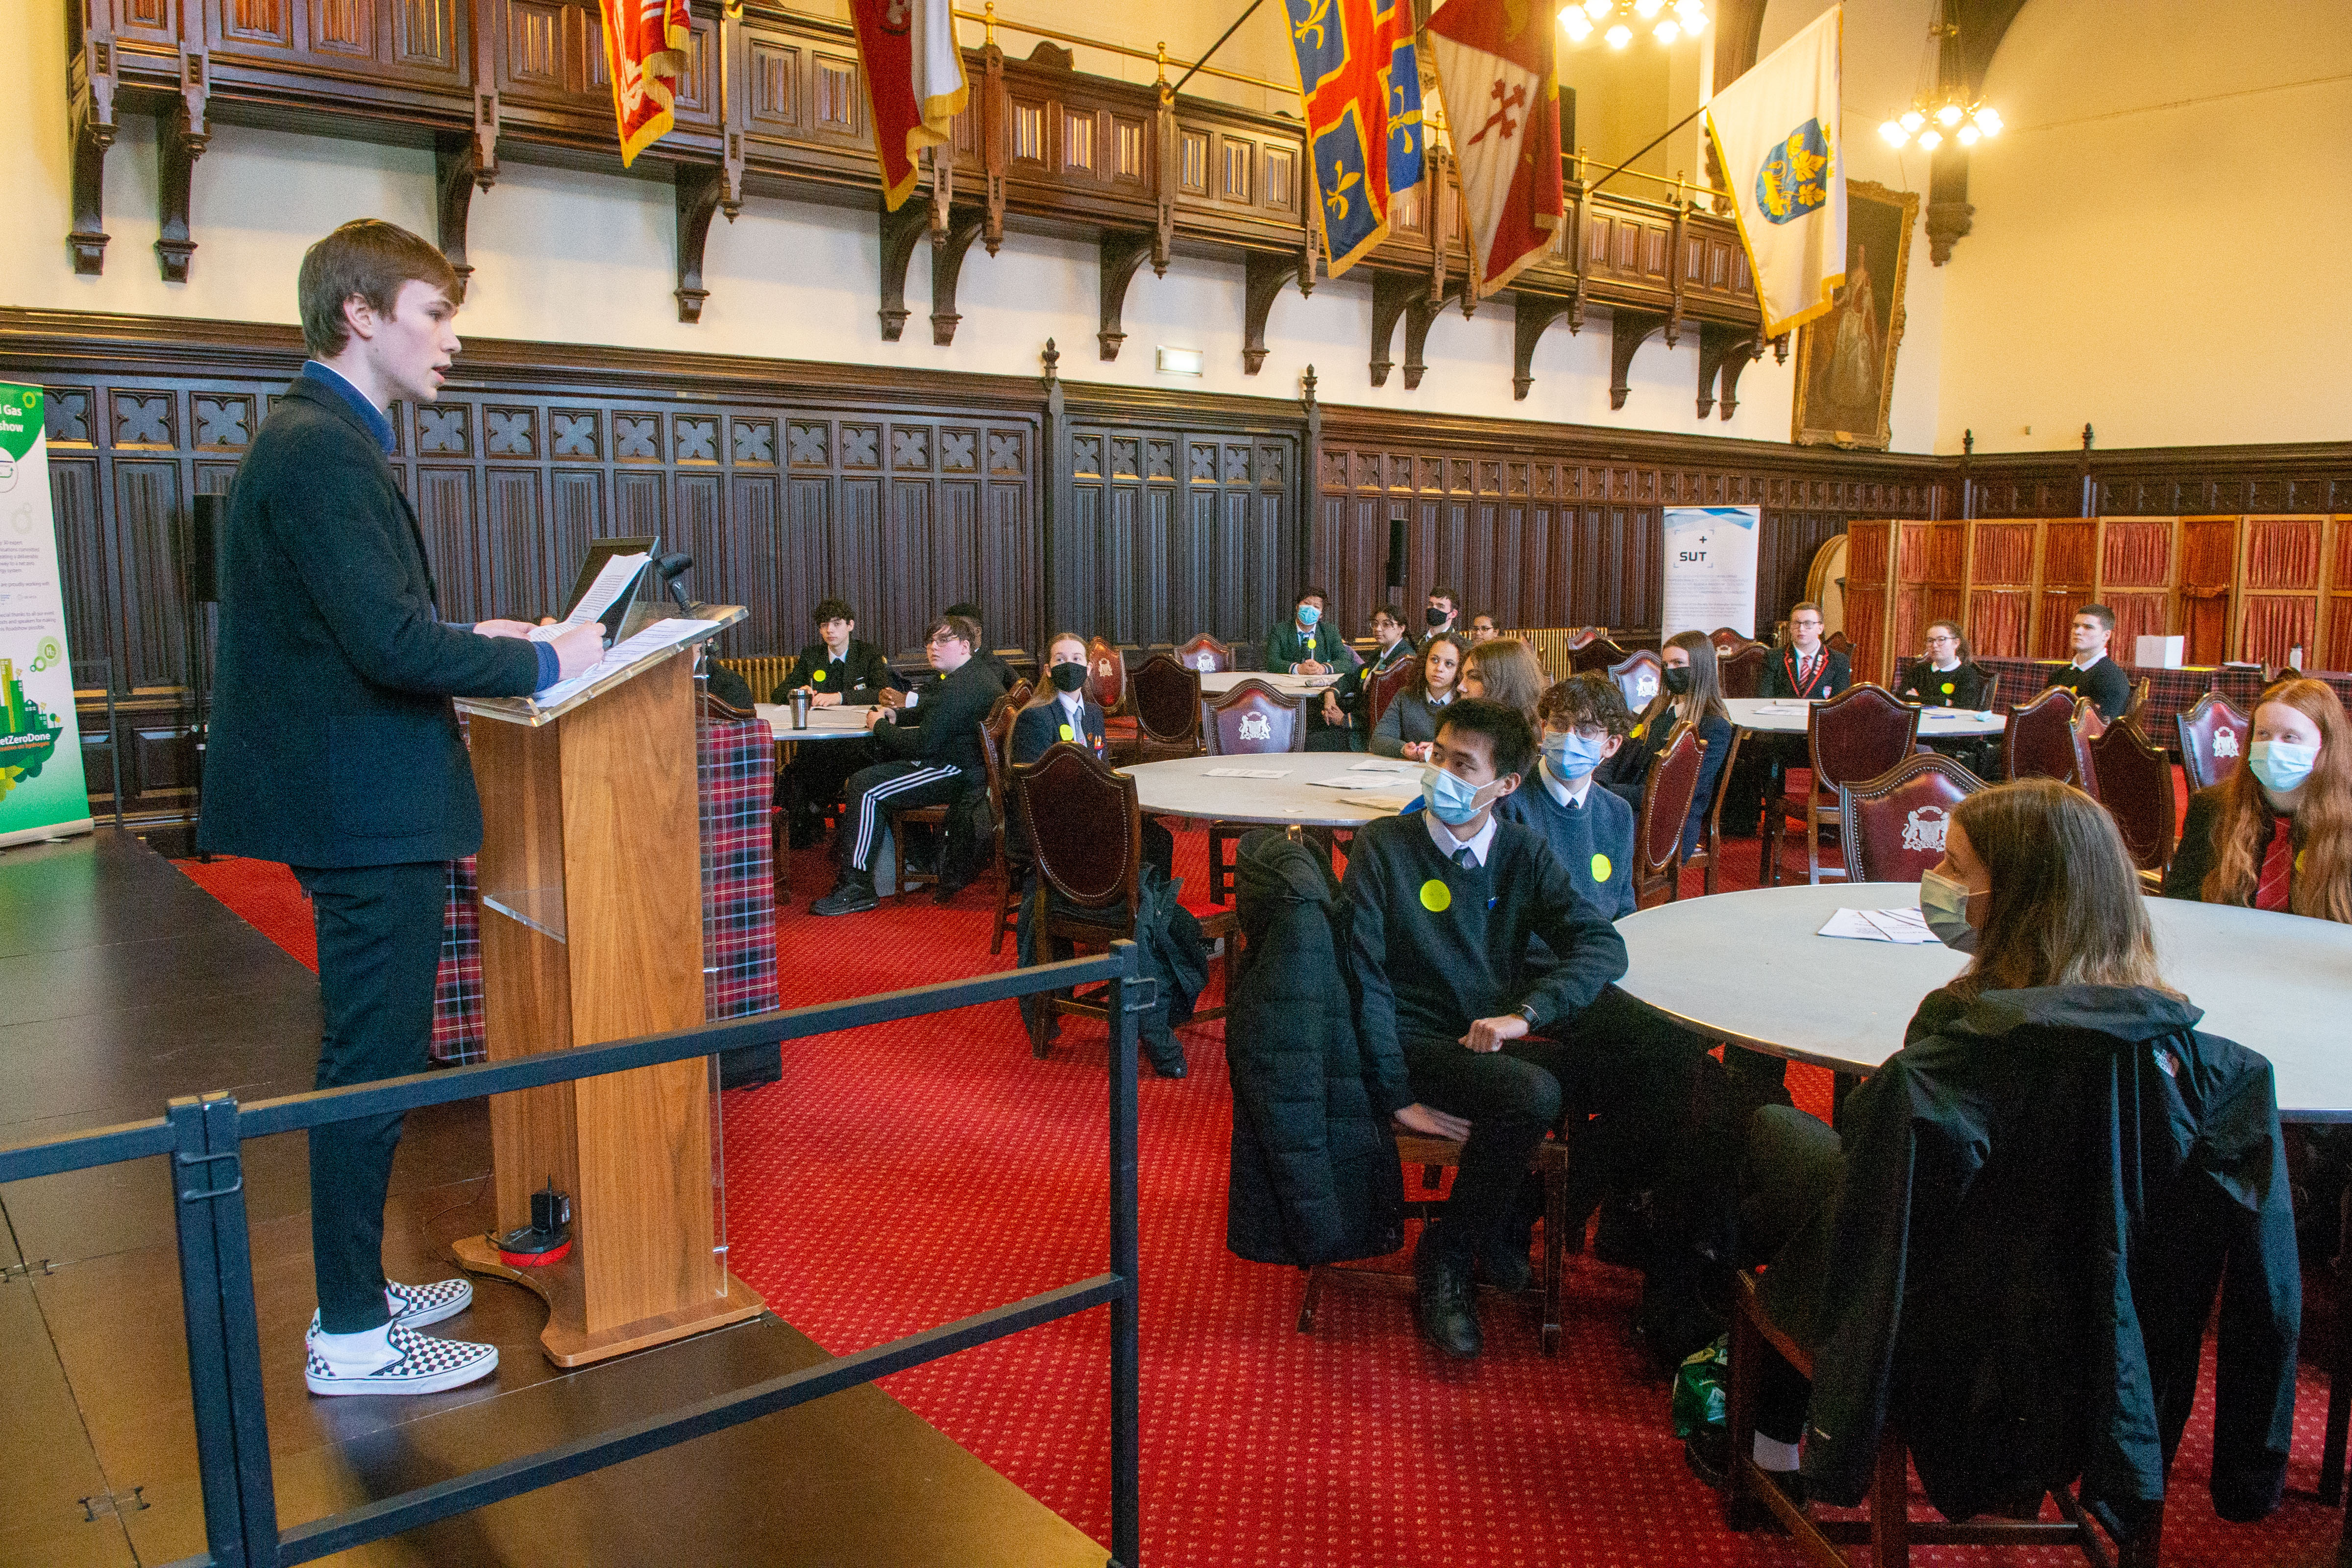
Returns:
point(1265, 274)
point(1535, 312)
point(1628, 330)
point(700, 189)
point(1723, 353)
point(948, 248)
point(92, 131)
point(180, 136)
point(1123, 252)
point(902, 231)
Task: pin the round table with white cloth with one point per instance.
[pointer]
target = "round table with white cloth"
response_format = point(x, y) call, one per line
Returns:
point(1193, 786)
point(1752, 967)
point(1787, 716)
point(1216, 683)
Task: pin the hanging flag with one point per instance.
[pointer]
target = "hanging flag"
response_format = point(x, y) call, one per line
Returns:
point(645, 53)
point(1495, 66)
point(914, 82)
point(1360, 82)
point(1776, 135)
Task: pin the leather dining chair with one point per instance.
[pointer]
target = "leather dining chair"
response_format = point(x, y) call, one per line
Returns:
point(1598, 652)
point(1383, 688)
point(1666, 798)
point(1740, 667)
point(1708, 855)
point(1637, 676)
point(1892, 825)
point(1255, 716)
point(1165, 699)
point(2212, 739)
point(2135, 783)
point(1086, 837)
point(1858, 735)
point(1012, 837)
point(2047, 740)
point(1205, 654)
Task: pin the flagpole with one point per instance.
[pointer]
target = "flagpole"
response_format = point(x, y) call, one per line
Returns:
point(1662, 135)
point(1220, 44)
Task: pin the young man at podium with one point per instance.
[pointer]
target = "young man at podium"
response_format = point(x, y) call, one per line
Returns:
point(334, 748)
point(930, 752)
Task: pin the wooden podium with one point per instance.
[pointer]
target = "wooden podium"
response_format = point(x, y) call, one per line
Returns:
point(592, 930)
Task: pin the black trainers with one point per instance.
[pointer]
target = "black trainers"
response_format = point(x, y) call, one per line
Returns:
point(854, 896)
point(1444, 1303)
point(1505, 1264)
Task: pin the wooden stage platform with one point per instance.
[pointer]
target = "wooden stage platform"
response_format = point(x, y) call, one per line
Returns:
point(122, 984)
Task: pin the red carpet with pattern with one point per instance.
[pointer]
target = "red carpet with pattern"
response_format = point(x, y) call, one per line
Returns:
point(897, 1178)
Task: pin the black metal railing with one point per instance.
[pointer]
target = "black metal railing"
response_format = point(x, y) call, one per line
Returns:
point(204, 1134)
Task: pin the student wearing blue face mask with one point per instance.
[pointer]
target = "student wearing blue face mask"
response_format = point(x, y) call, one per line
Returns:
point(2277, 834)
point(1442, 907)
point(1308, 644)
point(1590, 830)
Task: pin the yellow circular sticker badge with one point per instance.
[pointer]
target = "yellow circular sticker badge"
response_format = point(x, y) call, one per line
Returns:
point(1437, 897)
point(817, 675)
point(1601, 867)
point(1947, 688)
point(1066, 732)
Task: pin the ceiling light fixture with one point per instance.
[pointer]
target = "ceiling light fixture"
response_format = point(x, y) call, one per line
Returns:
point(1616, 21)
point(1942, 108)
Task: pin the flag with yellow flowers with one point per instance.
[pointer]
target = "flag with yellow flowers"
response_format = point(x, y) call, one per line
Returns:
point(1776, 135)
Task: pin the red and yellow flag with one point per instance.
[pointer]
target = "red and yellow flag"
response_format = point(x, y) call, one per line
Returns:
point(645, 53)
point(914, 82)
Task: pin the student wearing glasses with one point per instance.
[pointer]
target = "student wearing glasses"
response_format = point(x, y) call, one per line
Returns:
point(1949, 676)
point(1352, 699)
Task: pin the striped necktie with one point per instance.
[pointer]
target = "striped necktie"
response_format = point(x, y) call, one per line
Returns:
point(2278, 866)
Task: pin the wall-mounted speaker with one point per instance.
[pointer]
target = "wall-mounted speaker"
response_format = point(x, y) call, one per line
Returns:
point(1396, 553)
point(207, 518)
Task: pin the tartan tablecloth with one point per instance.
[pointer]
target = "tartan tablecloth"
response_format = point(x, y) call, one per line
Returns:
point(2169, 692)
point(735, 773)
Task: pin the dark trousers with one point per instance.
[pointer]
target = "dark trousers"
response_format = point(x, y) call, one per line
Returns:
point(379, 946)
point(874, 792)
point(813, 779)
point(1788, 1185)
point(1510, 1097)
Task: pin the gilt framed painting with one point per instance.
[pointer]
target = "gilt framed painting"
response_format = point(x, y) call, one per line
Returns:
point(1845, 360)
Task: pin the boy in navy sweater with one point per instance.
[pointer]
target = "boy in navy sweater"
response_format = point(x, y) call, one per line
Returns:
point(1442, 906)
point(1591, 831)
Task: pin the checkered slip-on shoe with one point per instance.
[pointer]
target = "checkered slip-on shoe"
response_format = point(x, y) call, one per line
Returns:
point(420, 1364)
point(415, 1306)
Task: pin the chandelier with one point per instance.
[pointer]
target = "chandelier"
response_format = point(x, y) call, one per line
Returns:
point(1945, 109)
point(1616, 21)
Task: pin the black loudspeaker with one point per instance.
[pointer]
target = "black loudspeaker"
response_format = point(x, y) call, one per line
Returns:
point(207, 518)
point(1396, 553)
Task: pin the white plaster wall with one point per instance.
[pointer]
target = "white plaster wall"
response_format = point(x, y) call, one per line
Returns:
point(2163, 233)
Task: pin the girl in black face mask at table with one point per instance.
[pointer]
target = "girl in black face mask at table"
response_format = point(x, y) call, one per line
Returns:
point(1689, 690)
point(1063, 709)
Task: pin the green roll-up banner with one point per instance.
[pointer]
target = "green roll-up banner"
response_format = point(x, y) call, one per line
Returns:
point(42, 792)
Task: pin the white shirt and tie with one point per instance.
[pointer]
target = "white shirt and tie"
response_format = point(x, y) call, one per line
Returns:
point(1452, 848)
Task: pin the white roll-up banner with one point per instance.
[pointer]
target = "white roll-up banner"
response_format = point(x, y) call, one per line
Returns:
point(42, 794)
point(1710, 569)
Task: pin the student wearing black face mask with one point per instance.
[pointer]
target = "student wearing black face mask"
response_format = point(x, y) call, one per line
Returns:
point(1688, 689)
point(1444, 610)
point(1064, 709)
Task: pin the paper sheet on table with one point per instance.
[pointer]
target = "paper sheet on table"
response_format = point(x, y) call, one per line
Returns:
point(1357, 781)
point(1249, 773)
point(1384, 767)
point(1385, 802)
point(652, 640)
point(1782, 706)
point(1907, 926)
point(612, 581)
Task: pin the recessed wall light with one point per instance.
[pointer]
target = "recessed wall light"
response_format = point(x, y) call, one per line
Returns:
point(1182, 362)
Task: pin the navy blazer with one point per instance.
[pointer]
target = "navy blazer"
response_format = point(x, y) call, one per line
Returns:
point(333, 742)
point(1041, 726)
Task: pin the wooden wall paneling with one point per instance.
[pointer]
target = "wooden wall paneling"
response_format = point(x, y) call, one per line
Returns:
point(2279, 588)
point(2003, 560)
point(2138, 566)
point(2209, 569)
point(1874, 552)
point(2069, 569)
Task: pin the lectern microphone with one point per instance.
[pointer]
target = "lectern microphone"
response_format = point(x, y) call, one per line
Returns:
point(670, 569)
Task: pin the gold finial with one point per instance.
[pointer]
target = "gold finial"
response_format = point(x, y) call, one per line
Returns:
point(1161, 49)
point(990, 10)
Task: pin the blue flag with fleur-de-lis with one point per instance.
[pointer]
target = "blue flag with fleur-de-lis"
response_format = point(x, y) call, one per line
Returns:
point(1360, 82)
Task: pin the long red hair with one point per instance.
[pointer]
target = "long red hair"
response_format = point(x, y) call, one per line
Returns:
point(2322, 816)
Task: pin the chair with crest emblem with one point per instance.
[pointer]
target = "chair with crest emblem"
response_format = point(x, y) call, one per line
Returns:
point(1892, 825)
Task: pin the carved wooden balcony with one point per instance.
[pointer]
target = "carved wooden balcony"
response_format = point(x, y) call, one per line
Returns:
point(770, 105)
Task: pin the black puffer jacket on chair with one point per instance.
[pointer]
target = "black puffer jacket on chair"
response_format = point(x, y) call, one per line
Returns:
point(1314, 1176)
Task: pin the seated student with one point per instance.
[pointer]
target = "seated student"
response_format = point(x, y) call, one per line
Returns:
point(1481, 630)
point(1443, 611)
point(1690, 688)
point(2091, 674)
point(1064, 709)
point(1352, 699)
point(834, 669)
point(1949, 676)
point(2054, 1119)
point(1441, 906)
point(1805, 669)
point(1005, 678)
point(2277, 834)
point(1410, 724)
point(1504, 670)
point(1308, 644)
point(1583, 722)
point(930, 752)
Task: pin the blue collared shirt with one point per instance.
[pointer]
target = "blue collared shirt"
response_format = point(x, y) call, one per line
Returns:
point(379, 424)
